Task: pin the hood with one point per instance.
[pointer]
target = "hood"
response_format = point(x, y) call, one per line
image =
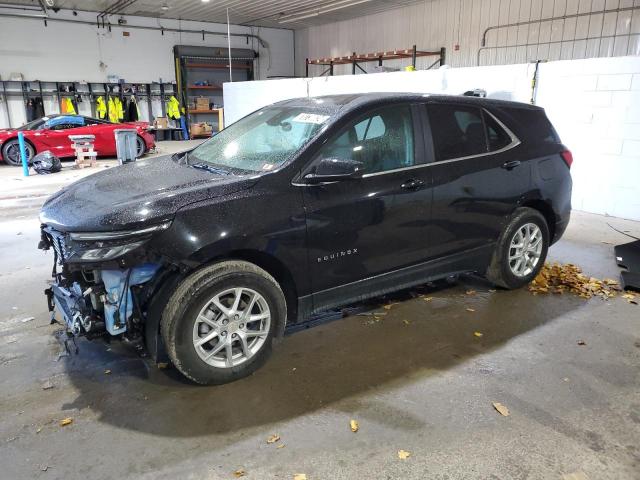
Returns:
point(135, 195)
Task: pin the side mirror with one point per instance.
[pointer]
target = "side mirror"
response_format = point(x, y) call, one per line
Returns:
point(333, 170)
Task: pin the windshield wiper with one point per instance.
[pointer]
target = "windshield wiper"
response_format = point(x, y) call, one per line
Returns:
point(210, 168)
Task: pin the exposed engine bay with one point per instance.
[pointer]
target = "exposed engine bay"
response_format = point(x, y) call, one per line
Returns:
point(94, 299)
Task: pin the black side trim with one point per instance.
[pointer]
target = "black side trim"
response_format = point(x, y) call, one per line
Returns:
point(474, 260)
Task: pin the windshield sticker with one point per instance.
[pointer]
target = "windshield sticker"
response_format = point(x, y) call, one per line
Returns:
point(310, 118)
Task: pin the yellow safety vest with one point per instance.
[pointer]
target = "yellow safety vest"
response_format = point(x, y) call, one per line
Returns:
point(173, 108)
point(101, 108)
point(119, 110)
point(66, 106)
point(113, 112)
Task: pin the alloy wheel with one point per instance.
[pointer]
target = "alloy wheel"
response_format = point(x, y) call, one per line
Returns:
point(232, 327)
point(525, 250)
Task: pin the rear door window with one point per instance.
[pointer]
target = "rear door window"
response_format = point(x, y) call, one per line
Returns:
point(457, 131)
point(496, 135)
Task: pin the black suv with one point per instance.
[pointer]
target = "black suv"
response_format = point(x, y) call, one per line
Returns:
point(299, 207)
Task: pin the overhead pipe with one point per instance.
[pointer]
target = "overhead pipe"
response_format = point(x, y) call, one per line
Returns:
point(262, 43)
point(551, 19)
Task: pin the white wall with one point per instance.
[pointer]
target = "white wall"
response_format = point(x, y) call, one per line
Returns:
point(593, 103)
point(444, 23)
point(68, 52)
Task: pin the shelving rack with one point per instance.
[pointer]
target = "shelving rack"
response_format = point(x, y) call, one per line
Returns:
point(356, 59)
point(201, 71)
point(27, 89)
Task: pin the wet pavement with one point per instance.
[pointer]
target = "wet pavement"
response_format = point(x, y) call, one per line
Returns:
point(415, 376)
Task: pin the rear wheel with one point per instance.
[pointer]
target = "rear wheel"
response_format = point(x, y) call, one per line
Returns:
point(521, 250)
point(219, 324)
point(11, 152)
point(141, 147)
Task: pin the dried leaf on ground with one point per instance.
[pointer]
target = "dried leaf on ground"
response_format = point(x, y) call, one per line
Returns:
point(28, 319)
point(581, 342)
point(477, 334)
point(107, 372)
point(273, 438)
point(389, 305)
point(502, 410)
point(560, 278)
point(403, 454)
point(240, 473)
point(427, 299)
point(470, 292)
point(282, 445)
point(66, 421)
point(354, 426)
point(628, 296)
point(299, 476)
point(469, 309)
point(406, 322)
point(47, 385)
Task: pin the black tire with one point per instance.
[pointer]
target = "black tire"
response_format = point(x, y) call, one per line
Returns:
point(141, 147)
point(193, 294)
point(499, 271)
point(11, 152)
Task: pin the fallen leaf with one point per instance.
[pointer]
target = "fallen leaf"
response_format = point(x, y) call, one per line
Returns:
point(471, 309)
point(354, 426)
point(47, 385)
point(628, 296)
point(273, 438)
point(560, 278)
point(403, 454)
point(66, 421)
point(107, 372)
point(280, 446)
point(502, 410)
point(427, 299)
point(239, 473)
point(470, 292)
point(44, 468)
point(389, 305)
point(406, 322)
point(633, 302)
point(477, 334)
point(28, 319)
point(492, 290)
point(39, 429)
point(299, 476)
point(581, 342)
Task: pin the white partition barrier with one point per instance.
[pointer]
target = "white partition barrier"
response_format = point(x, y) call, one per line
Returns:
point(593, 103)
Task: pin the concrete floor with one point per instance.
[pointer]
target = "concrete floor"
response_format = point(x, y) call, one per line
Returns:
point(417, 380)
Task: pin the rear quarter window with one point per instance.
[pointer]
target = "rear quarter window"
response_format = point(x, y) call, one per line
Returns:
point(535, 124)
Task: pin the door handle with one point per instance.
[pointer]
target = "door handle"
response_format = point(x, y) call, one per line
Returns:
point(511, 165)
point(413, 184)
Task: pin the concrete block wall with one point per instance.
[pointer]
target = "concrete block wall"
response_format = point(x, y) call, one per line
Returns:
point(595, 106)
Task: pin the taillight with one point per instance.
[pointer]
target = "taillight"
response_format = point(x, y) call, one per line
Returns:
point(567, 157)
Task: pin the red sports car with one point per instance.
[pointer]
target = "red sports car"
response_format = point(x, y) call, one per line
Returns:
point(52, 133)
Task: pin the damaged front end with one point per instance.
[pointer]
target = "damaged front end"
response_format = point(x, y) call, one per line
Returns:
point(102, 281)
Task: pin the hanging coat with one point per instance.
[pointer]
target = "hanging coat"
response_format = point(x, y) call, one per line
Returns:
point(118, 104)
point(101, 108)
point(173, 108)
point(113, 112)
point(132, 113)
point(66, 106)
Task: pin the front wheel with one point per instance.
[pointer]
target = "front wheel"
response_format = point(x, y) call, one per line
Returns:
point(521, 250)
point(219, 324)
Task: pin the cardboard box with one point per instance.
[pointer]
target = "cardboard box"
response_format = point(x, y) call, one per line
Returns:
point(202, 103)
point(161, 122)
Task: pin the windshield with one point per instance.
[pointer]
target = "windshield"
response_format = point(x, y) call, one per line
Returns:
point(261, 141)
point(33, 125)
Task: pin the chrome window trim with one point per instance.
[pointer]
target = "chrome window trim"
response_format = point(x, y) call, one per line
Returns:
point(515, 141)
